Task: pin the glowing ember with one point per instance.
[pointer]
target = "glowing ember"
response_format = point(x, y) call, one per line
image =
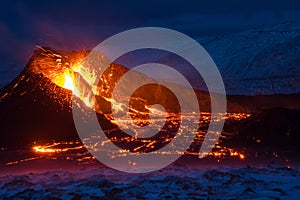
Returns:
point(224, 152)
point(41, 149)
point(242, 156)
point(57, 147)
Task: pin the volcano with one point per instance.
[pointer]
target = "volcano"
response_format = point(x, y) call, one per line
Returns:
point(37, 105)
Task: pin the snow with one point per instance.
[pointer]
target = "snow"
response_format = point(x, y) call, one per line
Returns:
point(262, 61)
point(253, 62)
point(173, 182)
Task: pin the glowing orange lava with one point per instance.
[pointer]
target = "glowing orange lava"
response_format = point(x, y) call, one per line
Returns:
point(70, 72)
point(68, 83)
point(54, 147)
point(43, 149)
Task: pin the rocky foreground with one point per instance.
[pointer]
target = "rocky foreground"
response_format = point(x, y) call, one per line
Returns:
point(175, 182)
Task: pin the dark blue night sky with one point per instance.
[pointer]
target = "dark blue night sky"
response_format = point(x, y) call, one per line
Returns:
point(78, 24)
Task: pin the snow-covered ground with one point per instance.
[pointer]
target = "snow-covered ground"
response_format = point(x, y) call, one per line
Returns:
point(173, 182)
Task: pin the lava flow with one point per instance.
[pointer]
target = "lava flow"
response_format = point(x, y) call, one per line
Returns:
point(69, 74)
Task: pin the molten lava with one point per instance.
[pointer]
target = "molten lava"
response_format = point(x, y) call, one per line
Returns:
point(65, 70)
point(68, 83)
point(57, 147)
point(69, 71)
point(65, 80)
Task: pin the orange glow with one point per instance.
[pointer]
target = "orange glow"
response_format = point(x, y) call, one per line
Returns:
point(69, 72)
point(54, 148)
point(41, 149)
point(68, 83)
point(66, 71)
point(224, 152)
point(65, 80)
point(242, 156)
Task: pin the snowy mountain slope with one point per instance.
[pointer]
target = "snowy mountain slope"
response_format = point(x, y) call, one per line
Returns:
point(265, 61)
point(254, 62)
